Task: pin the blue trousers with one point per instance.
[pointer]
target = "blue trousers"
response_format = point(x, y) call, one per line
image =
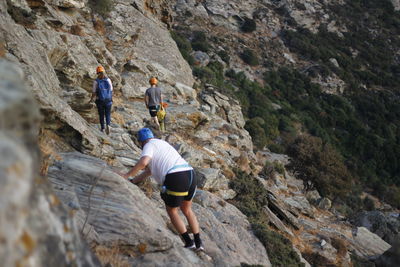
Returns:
point(104, 110)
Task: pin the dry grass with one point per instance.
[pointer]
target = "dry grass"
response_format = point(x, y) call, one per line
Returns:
point(98, 25)
point(35, 3)
point(197, 119)
point(147, 187)
point(77, 30)
point(118, 118)
point(109, 44)
point(48, 152)
point(340, 245)
point(111, 256)
point(2, 49)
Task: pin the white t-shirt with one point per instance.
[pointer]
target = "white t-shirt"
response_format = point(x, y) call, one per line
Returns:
point(164, 157)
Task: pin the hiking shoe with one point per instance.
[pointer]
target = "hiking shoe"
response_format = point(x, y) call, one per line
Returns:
point(190, 245)
point(107, 130)
point(198, 249)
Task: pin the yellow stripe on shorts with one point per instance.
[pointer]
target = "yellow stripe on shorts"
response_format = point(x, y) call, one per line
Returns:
point(177, 194)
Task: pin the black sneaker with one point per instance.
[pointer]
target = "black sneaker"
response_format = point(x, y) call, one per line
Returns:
point(107, 130)
point(199, 247)
point(190, 245)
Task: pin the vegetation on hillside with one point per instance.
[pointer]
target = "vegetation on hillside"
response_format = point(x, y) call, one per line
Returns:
point(251, 199)
point(354, 139)
point(101, 7)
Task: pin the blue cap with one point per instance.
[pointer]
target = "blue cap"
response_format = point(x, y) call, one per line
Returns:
point(144, 134)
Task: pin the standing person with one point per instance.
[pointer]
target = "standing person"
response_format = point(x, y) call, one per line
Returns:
point(153, 100)
point(169, 169)
point(102, 91)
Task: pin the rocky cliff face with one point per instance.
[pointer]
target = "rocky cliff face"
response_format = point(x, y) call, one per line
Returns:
point(57, 45)
point(36, 229)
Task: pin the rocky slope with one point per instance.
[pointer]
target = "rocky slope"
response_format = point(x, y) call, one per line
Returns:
point(57, 45)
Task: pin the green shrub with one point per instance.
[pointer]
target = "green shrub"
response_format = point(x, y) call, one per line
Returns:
point(251, 198)
point(269, 168)
point(249, 25)
point(184, 46)
point(279, 168)
point(102, 7)
point(276, 148)
point(255, 128)
point(250, 57)
point(360, 262)
point(213, 73)
point(275, 243)
point(200, 42)
point(322, 165)
point(369, 204)
point(224, 56)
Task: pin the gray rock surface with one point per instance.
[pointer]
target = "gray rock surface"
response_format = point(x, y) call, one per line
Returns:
point(137, 220)
point(396, 4)
point(35, 229)
point(369, 244)
point(325, 203)
point(385, 225)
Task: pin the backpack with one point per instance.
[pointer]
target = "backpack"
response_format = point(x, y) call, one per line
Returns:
point(161, 114)
point(104, 92)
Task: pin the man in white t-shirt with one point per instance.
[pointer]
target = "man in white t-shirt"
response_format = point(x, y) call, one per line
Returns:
point(160, 160)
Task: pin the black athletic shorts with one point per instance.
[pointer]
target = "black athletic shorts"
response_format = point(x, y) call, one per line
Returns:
point(153, 110)
point(176, 185)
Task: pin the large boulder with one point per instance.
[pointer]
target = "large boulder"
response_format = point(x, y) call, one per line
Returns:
point(36, 229)
point(368, 244)
point(385, 225)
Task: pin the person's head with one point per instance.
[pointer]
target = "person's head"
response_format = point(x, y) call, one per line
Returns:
point(144, 135)
point(153, 81)
point(100, 71)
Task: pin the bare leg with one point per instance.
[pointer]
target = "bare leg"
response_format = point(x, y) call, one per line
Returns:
point(156, 122)
point(186, 208)
point(176, 220)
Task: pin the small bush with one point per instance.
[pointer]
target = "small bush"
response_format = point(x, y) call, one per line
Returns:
point(184, 46)
point(77, 30)
point(255, 128)
point(200, 42)
point(250, 57)
point(212, 73)
point(251, 198)
point(360, 262)
point(224, 56)
point(279, 168)
point(274, 243)
point(322, 165)
point(249, 25)
point(368, 204)
point(101, 7)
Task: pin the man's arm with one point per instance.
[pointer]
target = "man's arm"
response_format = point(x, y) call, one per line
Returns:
point(146, 101)
point(94, 88)
point(140, 165)
point(141, 176)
